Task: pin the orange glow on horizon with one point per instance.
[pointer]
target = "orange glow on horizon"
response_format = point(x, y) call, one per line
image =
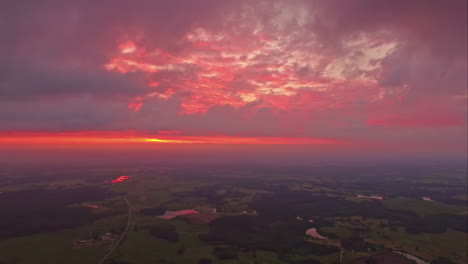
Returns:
point(117, 137)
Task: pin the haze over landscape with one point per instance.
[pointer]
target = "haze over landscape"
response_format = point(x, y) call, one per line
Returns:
point(148, 129)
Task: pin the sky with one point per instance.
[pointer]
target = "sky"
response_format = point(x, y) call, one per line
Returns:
point(354, 76)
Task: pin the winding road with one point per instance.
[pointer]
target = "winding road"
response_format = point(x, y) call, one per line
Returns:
point(122, 235)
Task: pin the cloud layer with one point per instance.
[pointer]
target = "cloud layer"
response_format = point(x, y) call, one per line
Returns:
point(358, 69)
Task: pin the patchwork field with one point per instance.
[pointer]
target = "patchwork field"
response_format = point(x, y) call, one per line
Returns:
point(235, 217)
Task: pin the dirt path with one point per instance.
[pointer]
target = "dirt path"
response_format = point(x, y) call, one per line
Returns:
point(122, 235)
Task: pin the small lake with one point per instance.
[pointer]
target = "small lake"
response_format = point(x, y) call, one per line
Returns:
point(173, 214)
point(412, 257)
point(313, 233)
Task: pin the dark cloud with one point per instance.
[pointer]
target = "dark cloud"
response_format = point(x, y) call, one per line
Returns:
point(439, 26)
point(67, 114)
point(28, 80)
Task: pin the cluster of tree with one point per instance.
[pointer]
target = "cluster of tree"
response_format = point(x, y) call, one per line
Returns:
point(310, 248)
point(406, 185)
point(153, 211)
point(40, 210)
point(437, 223)
point(225, 252)
point(355, 242)
point(442, 260)
point(205, 261)
point(206, 194)
point(306, 261)
point(285, 237)
point(181, 250)
point(293, 203)
point(164, 231)
point(113, 261)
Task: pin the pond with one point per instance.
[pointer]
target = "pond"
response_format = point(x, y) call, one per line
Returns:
point(313, 233)
point(412, 257)
point(173, 214)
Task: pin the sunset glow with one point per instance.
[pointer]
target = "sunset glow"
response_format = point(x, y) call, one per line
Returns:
point(277, 85)
point(101, 137)
point(341, 73)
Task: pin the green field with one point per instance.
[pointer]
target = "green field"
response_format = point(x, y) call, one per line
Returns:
point(422, 207)
point(266, 231)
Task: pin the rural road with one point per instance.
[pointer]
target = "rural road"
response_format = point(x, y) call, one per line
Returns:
point(341, 255)
point(116, 244)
